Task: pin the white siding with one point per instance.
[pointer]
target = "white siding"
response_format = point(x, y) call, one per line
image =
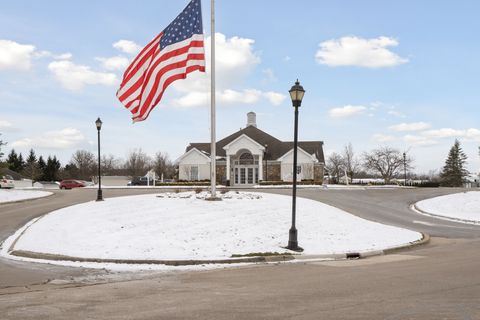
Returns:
point(303, 159)
point(194, 158)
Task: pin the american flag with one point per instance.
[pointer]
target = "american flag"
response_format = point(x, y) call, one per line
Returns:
point(174, 53)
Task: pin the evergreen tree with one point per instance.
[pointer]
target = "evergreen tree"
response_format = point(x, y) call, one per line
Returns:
point(52, 169)
point(32, 169)
point(41, 167)
point(12, 160)
point(454, 171)
point(20, 165)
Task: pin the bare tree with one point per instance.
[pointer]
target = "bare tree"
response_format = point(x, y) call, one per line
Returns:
point(137, 163)
point(334, 166)
point(109, 164)
point(350, 161)
point(163, 165)
point(386, 161)
point(83, 162)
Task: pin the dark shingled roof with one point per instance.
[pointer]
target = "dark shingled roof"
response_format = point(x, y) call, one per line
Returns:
point(275, 150)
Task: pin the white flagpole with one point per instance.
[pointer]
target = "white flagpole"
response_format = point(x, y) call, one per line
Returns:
point(213, 150)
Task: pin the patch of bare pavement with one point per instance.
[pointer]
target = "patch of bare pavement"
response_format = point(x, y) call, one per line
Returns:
point(439, 280)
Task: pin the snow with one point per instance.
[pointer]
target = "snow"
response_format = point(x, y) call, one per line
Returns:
point(178, 226)
point(461, 207)
point(11, 195)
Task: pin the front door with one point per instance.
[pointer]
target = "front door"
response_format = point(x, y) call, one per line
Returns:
point(246, 175)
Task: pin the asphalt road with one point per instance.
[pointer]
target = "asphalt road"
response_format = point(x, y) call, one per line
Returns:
point(435, 281)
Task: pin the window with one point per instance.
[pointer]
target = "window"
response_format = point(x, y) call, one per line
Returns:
point(299, 169)
point(193, 173)
point(246, 158)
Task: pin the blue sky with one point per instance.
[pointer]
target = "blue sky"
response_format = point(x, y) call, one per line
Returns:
point(402, 74)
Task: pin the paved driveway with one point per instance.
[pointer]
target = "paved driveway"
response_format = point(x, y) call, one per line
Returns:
point(436, 281)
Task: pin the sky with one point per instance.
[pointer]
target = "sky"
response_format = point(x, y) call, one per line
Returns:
point(402, 74)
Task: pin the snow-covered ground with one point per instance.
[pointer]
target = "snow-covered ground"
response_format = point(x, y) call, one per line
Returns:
point(461, 207)
point(174, 226)
point(11, 195)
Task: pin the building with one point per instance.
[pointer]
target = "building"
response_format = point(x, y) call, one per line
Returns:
point(251, 155)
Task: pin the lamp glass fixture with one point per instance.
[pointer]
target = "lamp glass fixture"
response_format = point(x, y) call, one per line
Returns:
point(98, 123)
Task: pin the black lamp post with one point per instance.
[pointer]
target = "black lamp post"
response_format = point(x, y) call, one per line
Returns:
point(265, 159)
point(296, 93)
point(98, 123)
point(405, 169)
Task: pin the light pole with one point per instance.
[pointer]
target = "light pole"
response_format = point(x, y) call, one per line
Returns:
point(265, 158)
point(405, 169)
point(296, 93)
point(98, 123)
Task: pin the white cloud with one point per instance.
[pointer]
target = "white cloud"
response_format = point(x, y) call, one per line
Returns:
point(268, 76)
point(235, 59)
point(228, 97)
point(346, 111)
point(62, 139)
point(413, 140)
point(471, 133)
point(396, 114)
point(414, 126)
point(275, 98)
point(382, 137)
point(355, 51)
point(7, 126)
point(74, 77)
point(15, 56)
point(114, 63)
point(127, 46)
point(63, 56)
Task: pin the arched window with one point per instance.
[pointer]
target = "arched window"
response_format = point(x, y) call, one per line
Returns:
point(246, 158)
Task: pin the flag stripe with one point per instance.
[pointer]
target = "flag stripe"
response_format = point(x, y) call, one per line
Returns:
point(172, 55)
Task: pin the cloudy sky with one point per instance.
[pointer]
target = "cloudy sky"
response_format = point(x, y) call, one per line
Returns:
point(396, 73)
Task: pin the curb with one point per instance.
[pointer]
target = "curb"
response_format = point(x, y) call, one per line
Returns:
point(59, 257)
point(438, 216)
point(265, 259)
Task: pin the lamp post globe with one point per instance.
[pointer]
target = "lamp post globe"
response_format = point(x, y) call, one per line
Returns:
point(296, 94)
point(98, 124)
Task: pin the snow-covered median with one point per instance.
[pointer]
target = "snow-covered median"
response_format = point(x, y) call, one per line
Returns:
point(12, 195)
point(174, 226)
point(461, 207)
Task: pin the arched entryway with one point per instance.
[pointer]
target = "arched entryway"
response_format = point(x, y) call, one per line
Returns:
point(245, 168)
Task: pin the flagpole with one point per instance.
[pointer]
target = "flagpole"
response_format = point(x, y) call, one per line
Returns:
point(213, 150)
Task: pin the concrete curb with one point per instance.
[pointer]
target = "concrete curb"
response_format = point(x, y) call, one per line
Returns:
point(265, 259)
point(464, 221)
point(30, 199)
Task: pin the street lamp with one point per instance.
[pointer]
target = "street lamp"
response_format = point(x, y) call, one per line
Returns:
point(98, 123)
point(296, 93)
point(265, 158)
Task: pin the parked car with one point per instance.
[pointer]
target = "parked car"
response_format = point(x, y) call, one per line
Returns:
point(6, 181)
point(140, 181)
point(70, 184)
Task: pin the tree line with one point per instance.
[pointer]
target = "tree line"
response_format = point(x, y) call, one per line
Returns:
point(389, 163)
point(83, 165)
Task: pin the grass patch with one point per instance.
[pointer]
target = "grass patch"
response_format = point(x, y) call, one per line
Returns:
point(261, 254)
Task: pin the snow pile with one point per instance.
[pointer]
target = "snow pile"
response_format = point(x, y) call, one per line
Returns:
point(205, 195)
point(463, 207)
point(18, 195)
point(184, 226)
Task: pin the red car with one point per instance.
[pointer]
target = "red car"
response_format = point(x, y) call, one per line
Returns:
point(70, 184)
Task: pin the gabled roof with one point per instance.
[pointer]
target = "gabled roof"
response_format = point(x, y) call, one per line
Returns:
point(275, 149)
point(201, 152)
